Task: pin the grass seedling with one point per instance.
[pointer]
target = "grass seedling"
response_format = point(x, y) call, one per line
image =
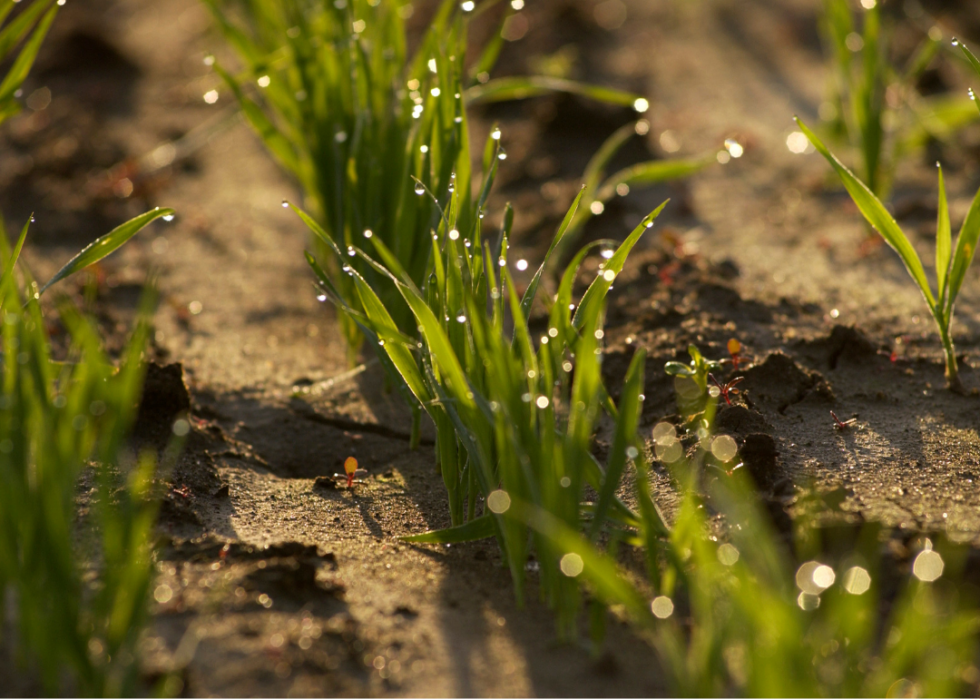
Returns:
point(951, 265)
point(862, 75)
point(513, 420)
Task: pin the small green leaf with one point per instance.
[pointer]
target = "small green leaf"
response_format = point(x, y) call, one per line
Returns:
point(678, 369)
point(516, 88)
point(106, 245)
point(532, 288)
point(474, 530)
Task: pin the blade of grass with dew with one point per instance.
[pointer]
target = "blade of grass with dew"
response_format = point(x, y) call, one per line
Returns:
point(25, 59)
point(630, 407)
point(516, 88)
point(106, 245)
point(528, 300)
point(597, 290)
point(474, 530)
point(876, 214)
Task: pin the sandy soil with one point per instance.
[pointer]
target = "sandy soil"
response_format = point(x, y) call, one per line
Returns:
point(283, 584)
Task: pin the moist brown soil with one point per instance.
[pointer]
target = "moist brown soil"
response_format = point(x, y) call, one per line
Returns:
point(281, 579)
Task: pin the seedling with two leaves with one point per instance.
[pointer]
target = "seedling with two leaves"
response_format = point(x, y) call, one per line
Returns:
point(514, 418)
point(951, 264)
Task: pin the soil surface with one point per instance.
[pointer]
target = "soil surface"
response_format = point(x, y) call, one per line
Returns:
point(275, 579)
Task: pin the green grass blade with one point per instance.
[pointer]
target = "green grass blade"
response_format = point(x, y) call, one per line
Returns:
point(599, 570)
point(966, 247)
point(653, 172)
point(528, 300)
point(973, 60)
point(876, 214)
point(19, 27)
point(15, 254)
point(25, 59)
point(273, 138)
point(106, 245)
point(515, 88)
point(596, 293)
point(943, 240)
point(474, 530)
point(630, 408)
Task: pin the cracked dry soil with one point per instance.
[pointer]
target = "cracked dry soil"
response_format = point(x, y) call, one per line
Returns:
point(282, 582)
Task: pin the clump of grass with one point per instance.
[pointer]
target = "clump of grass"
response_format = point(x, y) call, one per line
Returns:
point(514, 418)
point(736, 614)
point(861, 77)
point(75, 588)
point(76, 610)
point(361, 124)
point(951, 265)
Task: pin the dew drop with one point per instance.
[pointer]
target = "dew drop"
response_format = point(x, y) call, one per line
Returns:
point(168, 217)
point(454, 234)
point(458, 120)
point(502, 155)
point(495, 134)
point(285, 204)
point(350, 250)
point(368, 233)
point(321, 298)
point(419, 189)
point(734, 148)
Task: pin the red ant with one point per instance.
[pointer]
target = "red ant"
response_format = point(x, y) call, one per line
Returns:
point(728, 388)
point(841, 426)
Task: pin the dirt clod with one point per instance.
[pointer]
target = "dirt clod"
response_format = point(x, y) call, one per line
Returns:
point(759, 456)
point(740, 421)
